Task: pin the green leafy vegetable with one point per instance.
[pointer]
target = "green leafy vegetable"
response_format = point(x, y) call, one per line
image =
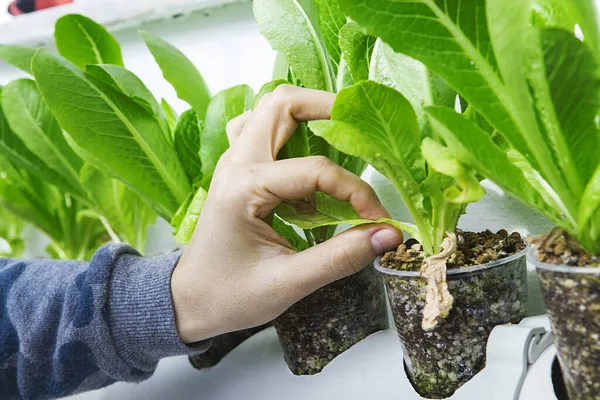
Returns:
point(223, 107)
point(18, 56)
point(378, 124)
point(331, 21)
point(123, 210)
point(323, 210)
point(83, 41)
point(456, 45)
point(73, 236)
point(114, 128)
point(11, 234)
point(170, 115)
point(301, 41)
point(357, 48)
point(532, 90)
point(289, 234)
point(31, 120)
point(14, 150)
point(180, 72)
point(187, 216)
point(187, 144)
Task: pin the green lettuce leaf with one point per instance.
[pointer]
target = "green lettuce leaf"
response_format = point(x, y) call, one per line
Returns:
point(115, 129)
point(474, 147)
point(124, 81)
point(467, 188)
point(17, 56)
point(122, 209)
point(301, 40)
point(289, 234)
point(411, 78)
point(187, 144)
point(16, 153)
point(170, 114)
point(186, 218)
point(180, 72)
point(224, 106)
point(587, 15)
point(378, 124)
point(357, 48)
point(83, 41)
point(331, 21)
point(455, 44)
point(564, 77)
point(31, 120)
point(323, 210)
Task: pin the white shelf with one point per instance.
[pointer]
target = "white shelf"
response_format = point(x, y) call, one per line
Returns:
point(372, 369)
point(37, 28)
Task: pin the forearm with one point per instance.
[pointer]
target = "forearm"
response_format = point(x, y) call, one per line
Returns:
point(68, 327)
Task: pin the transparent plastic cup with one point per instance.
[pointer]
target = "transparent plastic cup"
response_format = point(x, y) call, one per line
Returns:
point(572, 297)
point(328, 322)
point(440, 361)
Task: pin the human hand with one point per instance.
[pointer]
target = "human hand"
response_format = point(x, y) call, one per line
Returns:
point(237, 272)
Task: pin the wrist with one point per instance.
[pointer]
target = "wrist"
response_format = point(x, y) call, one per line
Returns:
point(192, 316)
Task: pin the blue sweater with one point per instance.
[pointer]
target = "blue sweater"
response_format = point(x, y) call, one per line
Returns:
point(69, 327)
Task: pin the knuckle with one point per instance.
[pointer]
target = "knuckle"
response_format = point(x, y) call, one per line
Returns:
point(345, 263)
point(321, 162)
point(281, 95)
point(284, 90)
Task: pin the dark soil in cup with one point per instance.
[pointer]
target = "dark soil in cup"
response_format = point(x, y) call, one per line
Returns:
point(223, 345)
point(443, 359)
point(573, 302)
point(558, 248)
point(473, 248)
point(328, 322)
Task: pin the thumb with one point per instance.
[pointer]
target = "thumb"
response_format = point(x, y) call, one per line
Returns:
point(341, 256)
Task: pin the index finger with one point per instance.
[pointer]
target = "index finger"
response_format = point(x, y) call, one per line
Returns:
point(299, 178)
point(275, 119)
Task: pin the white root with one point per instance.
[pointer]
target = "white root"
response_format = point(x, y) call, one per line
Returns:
point(439, 300)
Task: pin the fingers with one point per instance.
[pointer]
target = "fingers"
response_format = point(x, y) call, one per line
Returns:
point(275, 119)
point(300, 178)
point(235, 126)
point(340, 256)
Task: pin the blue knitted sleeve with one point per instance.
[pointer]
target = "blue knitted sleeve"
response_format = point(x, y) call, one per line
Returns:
point(69, 327)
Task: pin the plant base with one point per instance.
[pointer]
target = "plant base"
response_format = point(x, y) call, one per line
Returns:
point(323, 325)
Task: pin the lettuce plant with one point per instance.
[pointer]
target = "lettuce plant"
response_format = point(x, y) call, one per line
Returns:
point(39, 146)
point(73, 235)
point(132, 155)
point(532, 83)
point(381, 125)
point(310, 55)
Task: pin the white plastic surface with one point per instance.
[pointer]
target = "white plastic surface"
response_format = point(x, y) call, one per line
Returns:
point(372, 369)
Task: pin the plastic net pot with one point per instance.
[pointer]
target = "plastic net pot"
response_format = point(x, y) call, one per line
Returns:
point(572, 297)
point(315, 330)
point(223, 345)
point(440, 361)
